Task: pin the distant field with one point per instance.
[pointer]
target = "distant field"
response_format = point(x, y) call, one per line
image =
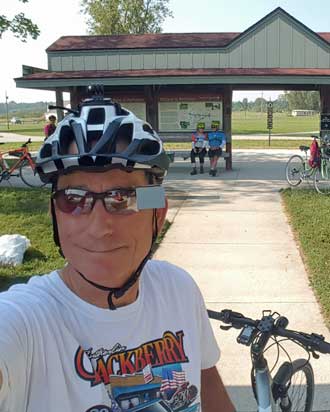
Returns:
point(253, 123)
point(28, 128)
point(256, 123)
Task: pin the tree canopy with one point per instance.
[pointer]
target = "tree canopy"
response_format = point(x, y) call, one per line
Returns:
point(19, 25)
point(125, 16)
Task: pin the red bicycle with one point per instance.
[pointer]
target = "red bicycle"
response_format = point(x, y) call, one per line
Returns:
point(24, 166)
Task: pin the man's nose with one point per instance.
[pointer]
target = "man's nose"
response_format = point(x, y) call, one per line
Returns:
point(101, 222)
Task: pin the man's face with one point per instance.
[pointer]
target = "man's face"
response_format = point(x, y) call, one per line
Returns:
point(107, 248)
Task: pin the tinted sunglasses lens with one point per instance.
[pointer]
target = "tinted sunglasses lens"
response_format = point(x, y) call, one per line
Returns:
point(121, 202)
point(74, 203)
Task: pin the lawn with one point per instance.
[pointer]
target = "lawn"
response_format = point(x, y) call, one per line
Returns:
point(28, 128)
point(309, 216)
point(33, 146)
point(251, 123)
point(256, 123)
point(250, 144)
point(25, 212)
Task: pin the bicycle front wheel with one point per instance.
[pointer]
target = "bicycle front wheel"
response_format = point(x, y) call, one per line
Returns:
point(321, 184)
point(294, 170)
point(295, 386)
point(27, 175)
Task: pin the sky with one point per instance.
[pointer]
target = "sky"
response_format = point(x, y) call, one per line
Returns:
point(63, 17)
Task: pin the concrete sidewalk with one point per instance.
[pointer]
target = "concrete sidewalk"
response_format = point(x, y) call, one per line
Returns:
point(232, 235)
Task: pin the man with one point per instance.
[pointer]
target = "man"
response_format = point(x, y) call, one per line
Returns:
point(217, 142)
point(50, 127)
point(199, 144)
point(111, 331)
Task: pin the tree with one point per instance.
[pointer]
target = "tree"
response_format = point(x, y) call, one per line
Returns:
point(19, 25)
point(245, 105)
point(125, 16)
point(308, 100)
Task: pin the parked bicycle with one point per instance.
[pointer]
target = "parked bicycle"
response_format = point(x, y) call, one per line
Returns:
point(291, 388)
point(322, 174)
point(298, 169)
point(23, 167)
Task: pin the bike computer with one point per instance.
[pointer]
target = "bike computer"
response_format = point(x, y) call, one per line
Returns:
point(246, 335)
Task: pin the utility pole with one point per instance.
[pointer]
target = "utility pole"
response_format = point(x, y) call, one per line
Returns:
point(7, 109)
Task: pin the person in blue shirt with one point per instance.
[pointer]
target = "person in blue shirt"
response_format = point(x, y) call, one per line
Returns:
point(199, 144)
point(217, 142)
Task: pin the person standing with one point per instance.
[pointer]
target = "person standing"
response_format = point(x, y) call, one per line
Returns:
point(199, 144)
point(50, 127)
point(217, 142)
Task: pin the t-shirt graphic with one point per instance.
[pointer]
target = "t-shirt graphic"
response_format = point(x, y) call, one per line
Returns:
point(148, 378)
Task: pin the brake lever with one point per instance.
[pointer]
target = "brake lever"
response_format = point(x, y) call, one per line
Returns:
point(315, 355)
point(223, 327)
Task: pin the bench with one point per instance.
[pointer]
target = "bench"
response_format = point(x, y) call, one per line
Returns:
point(185, 153)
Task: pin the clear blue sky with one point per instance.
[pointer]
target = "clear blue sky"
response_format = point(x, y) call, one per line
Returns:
point(63, 17)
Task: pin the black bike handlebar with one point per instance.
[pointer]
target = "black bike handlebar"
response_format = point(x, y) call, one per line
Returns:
point(312, 342)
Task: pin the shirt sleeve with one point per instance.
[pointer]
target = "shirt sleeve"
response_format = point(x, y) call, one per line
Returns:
point(13, 354)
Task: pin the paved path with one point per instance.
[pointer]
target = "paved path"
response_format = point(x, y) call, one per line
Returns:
point(232, 235)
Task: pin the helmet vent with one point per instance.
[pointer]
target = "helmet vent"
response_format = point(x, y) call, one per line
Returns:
point(124, 137)
point(148, 147)
point(148, 129)
point(66, 138)
point(96, 116)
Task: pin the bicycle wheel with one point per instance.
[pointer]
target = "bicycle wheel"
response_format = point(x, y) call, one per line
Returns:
point(321, 184)
point(294, 170)
point(27, 175)
point(294, 385)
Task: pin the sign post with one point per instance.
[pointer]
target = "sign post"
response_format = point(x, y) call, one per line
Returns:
point(325, 122)
point(269, 119)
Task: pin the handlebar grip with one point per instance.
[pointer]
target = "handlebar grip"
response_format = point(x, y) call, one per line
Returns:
point(323, 347)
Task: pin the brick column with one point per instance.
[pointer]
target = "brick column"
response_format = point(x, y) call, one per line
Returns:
point(151, 95)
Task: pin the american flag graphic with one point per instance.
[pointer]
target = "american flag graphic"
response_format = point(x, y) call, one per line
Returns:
point(147, 374)
point(172, 379)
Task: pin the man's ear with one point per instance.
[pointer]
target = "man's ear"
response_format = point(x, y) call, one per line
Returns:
point(161, 215)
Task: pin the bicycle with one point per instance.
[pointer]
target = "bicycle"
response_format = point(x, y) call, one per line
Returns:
point(298, 169)
point(322, 174)
point(282, 392)
point(24, 167)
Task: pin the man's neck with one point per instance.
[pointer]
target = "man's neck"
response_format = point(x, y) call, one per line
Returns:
point(92, 294)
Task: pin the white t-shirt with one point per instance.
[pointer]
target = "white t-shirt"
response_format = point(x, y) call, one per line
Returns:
point(59, 353)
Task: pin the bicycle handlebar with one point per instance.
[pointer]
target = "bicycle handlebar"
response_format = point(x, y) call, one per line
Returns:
point(311, 342)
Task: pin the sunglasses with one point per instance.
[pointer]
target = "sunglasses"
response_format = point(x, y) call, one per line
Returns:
point(81, 202)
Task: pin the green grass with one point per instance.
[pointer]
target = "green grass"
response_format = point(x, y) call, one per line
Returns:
point(309, 216)
point(25, 212)
point(256, 123)
point(29, 129)
point(34, 146)
point(250, 144)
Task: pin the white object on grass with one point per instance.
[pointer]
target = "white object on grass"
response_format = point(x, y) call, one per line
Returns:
point(12, 249)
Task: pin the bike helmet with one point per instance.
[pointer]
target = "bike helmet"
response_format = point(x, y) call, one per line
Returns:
point(101, 135)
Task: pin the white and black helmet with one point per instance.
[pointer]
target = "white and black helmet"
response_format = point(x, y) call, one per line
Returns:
point(101, 135)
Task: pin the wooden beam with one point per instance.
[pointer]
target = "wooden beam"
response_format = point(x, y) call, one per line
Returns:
point(227, 106)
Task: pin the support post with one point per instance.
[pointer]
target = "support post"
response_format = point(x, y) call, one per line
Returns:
point(59, 102)
point(227, 105)
point(151, 94)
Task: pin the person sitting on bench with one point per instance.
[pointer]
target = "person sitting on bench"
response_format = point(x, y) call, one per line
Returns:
point(199, 144)
point(217, 142)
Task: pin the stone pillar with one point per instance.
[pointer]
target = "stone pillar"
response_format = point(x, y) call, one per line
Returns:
point(227, 105)
point(151, 94)
point(59, 102)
